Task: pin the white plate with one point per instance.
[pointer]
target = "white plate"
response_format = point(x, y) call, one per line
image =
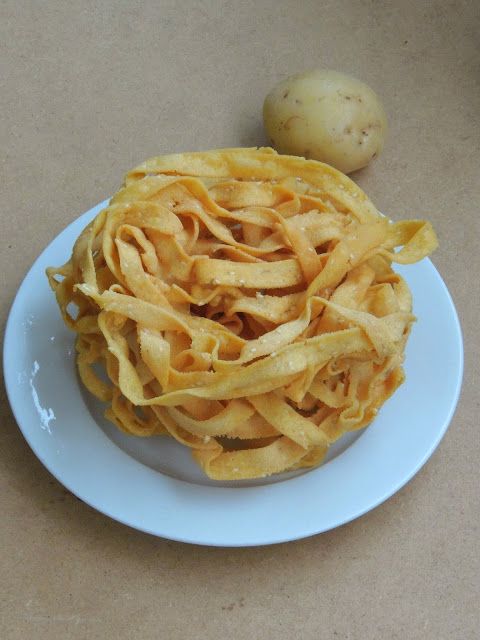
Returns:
point(153, 485)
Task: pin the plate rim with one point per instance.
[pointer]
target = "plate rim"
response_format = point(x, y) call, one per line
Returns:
point(263, 492)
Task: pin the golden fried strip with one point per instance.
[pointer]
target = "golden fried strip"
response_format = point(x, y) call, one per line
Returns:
point(243, 303)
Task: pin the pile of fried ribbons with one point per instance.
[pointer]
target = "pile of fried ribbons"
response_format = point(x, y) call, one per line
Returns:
point(243, 303)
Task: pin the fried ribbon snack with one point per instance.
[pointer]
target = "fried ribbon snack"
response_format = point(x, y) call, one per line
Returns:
point(243, 303)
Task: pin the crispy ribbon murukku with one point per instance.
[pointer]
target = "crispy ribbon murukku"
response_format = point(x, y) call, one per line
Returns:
point(243, 303)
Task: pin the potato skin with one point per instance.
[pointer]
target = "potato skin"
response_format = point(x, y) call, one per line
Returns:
point(328, 116)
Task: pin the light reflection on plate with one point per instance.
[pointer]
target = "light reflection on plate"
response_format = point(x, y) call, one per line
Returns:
point(154, 486)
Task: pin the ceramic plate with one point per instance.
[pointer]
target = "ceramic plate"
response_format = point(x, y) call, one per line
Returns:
point(153, 485)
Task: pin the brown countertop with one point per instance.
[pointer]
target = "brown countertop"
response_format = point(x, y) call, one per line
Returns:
point(91, 89)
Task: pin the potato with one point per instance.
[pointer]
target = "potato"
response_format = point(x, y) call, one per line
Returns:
point(328, 116)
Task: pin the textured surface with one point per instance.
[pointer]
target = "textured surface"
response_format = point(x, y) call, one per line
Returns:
point(89, 90)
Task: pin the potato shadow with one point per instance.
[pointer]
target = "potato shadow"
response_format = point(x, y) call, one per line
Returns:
point(359, 175)
point(251, 132)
